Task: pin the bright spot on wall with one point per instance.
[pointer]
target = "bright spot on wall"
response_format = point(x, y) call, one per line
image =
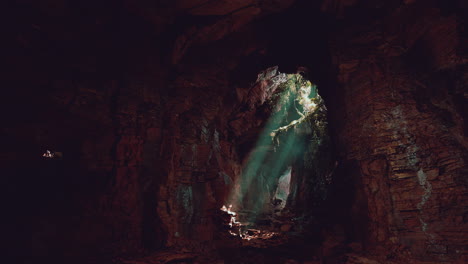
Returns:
point(48, 154)
point(283, 190)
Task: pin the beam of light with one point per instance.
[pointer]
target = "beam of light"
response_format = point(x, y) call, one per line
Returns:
point(258, 157)
point(277, 147)
point(280, 159)
point(294, 138)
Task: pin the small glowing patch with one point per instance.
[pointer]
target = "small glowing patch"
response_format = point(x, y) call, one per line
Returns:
point(233, 221)
point(48, 154)
point(52, 154)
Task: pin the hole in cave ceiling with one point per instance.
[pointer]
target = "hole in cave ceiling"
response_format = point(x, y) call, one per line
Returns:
point(289, 165)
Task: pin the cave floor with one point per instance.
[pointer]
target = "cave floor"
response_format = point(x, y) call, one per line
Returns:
point(253, 251)
point(275, 242)
point(285, 249)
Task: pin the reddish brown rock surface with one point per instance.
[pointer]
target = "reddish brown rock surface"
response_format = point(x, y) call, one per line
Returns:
point(401, 128)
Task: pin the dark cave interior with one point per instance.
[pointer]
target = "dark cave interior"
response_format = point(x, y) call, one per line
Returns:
point(128, 125)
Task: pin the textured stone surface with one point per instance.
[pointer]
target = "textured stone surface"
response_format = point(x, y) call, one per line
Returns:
point(412, 153)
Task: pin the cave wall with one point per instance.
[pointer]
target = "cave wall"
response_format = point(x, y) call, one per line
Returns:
point(149, 146)
point(153, 107)
point(401, 82)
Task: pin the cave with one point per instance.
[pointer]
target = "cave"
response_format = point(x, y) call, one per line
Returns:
point(247, 131)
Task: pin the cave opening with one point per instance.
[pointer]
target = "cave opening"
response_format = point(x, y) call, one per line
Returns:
point(286, 173)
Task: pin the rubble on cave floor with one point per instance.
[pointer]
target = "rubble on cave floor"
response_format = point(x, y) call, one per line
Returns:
point(267, 231)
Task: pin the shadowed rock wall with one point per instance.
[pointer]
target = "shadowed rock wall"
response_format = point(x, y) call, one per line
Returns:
point(400, 78)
